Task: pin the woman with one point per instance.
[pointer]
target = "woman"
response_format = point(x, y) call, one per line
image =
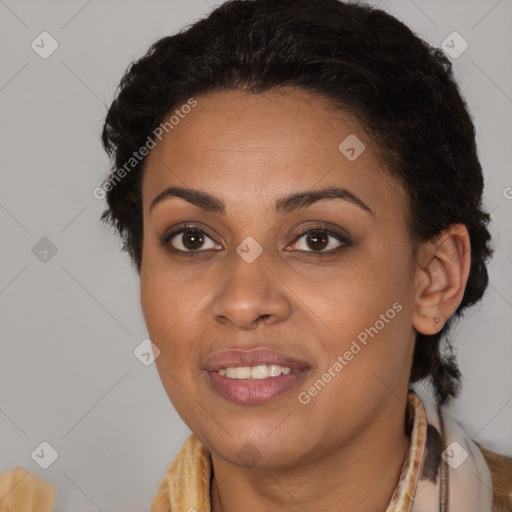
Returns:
point(298, 185)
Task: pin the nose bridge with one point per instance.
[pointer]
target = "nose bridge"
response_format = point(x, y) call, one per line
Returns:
point(249, 291)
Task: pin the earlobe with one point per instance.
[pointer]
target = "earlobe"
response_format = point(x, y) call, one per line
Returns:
point(442, 274)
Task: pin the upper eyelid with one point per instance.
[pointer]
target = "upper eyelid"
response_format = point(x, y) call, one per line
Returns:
point(319, 227)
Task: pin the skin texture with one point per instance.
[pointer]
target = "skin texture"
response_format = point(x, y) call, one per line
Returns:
point(346, 446)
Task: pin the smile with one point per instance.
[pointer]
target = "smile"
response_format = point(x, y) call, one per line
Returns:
point(261, 371)
point(252, 377)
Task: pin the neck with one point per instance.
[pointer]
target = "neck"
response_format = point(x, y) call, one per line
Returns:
point(359, 475)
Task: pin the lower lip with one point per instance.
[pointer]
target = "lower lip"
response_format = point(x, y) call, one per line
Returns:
point(258, 391)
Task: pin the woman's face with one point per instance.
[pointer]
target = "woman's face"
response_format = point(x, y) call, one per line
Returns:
point(309, 299)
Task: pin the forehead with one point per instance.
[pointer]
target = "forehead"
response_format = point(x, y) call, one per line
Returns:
point(249, 148)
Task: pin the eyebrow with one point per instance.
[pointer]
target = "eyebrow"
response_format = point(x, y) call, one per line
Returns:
point(284, 205)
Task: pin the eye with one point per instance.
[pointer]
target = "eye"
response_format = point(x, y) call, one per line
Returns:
point(317, 240)
point(320, 240)
point(188, 239)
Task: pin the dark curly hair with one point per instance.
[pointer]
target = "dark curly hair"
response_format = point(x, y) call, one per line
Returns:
point(367, 63)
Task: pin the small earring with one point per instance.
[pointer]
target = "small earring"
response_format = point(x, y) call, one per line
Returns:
point(436, 319)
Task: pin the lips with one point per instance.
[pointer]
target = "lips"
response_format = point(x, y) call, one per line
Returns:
point(249, 391)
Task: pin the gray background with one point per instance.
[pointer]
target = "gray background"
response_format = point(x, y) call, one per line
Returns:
point(69, 324)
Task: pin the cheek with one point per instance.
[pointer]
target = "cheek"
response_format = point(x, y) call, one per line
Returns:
point(167, 297)
point(168, 314)
point(354, 296)
point(366, 305)
point(174, 308)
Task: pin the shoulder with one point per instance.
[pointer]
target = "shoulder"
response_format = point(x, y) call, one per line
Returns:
point(20, 489)
point(500, 467)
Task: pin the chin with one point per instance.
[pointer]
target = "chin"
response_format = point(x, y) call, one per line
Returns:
point(251, 450)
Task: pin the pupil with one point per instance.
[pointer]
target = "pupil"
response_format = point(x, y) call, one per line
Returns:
point(319, 240)
point(194, 237)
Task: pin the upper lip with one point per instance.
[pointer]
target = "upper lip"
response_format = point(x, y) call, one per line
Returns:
point(240, 358)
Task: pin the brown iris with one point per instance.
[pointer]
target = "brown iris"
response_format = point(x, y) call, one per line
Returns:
point(193, 239)
point(319, 239)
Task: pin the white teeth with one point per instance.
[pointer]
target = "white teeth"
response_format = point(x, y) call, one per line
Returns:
point(274, 370)
point(231, 373)
point(243, 372)
point(261, 371)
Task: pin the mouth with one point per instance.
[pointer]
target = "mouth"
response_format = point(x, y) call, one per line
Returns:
point(254, 377)
point(259, 372)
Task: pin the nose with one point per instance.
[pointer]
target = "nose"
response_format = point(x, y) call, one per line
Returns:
point(250, 294)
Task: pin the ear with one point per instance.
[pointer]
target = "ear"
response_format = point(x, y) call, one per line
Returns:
point(443, 265)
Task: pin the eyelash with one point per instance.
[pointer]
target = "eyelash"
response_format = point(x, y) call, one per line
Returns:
point(184, 228)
